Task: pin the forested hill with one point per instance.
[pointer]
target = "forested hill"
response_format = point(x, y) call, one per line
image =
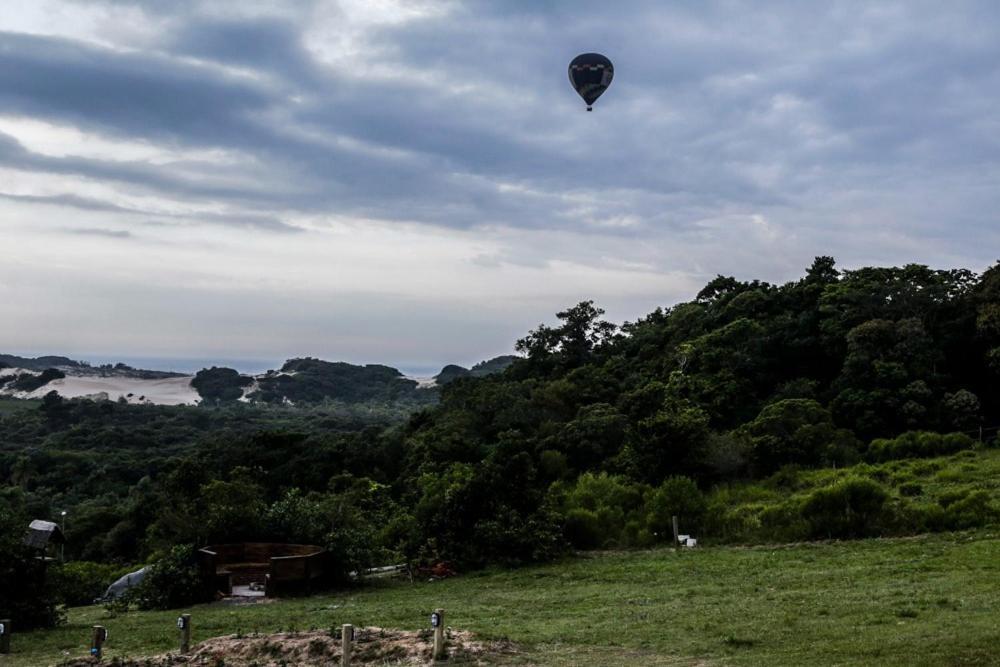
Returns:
point(747, 377)
point(308, 381)
point(37, 363)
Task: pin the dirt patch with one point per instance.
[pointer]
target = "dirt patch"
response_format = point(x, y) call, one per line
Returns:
point(372, 646)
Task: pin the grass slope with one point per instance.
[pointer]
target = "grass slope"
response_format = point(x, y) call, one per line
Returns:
point(912, 484)
point(930, 600)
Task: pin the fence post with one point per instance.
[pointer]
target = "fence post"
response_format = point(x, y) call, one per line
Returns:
point(437, 621)
point(5, 630)
point(184, 624)
point(676, 530)
point(346, 644)
point(100, 635)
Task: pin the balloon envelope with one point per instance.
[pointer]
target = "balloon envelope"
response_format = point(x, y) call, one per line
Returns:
point(591, 74)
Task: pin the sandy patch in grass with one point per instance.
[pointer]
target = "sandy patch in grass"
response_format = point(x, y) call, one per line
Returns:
point(372, 646)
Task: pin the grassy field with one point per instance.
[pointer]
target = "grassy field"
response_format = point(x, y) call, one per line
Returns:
point(930, 600)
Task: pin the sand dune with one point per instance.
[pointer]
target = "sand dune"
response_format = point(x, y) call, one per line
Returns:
point(168, 391)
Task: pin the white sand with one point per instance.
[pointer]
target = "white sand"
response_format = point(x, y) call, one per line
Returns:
point(17, 371)
point(169, 391)
point(422, 382)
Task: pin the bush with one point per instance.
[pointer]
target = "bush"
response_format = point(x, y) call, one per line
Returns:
point(174, 580)
point(783, 522)
point(918, 444)
point(910, 489)
point(680, 497)
point(81, 582)
point(909, 517)
point(598, 508)
point(971, 511)
point(583, 529)
point(849, 508)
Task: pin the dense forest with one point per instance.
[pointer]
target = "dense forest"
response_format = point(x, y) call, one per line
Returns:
point(755, 412)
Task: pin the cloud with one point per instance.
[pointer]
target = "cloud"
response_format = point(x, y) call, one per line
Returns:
point(107, 233)
point(737, 138)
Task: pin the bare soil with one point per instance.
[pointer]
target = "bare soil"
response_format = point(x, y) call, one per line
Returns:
point(372, 646)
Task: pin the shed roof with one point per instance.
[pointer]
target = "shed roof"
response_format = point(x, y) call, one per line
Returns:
point(43, 533)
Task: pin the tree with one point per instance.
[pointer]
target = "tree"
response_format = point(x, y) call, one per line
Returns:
point(26, 593)
point(796, 431)
point(670, 442)
point(233, 509)
point(574, 340)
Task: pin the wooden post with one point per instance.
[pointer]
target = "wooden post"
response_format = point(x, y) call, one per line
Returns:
point(184, 624)
point(438, 634)
point(676, 531)
point(97, 641)
point(346, 644)
point(5, 629)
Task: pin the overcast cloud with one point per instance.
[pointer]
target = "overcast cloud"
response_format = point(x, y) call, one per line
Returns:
point(415, 183)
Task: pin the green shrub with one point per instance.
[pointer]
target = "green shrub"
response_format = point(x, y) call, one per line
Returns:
point(783, 522)
point(680, 497)
point(849, 508)
point(952, 496)
point(902, 477)
point(927, 467)
point(583, 528)
point(725, 521)
point(908, 517)
point(972, 511)
point(910, 489)
point(918, 444)
point(79, 583)
point(787, 477)
point(174, 580)
point(597, 509)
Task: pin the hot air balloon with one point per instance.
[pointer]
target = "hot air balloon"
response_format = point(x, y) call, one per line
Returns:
point(591, 74)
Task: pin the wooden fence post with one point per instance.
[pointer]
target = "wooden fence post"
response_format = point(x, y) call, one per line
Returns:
point(437, 620)
point(676, 530)
point(346, 644)
point(5, 630)
point(184, 624)
point(100, 635)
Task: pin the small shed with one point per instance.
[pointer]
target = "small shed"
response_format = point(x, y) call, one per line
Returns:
point(43, 534)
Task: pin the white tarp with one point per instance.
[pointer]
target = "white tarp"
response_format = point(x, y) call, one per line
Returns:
point(124, 583)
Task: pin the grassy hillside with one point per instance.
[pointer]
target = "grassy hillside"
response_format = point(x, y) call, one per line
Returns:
point(929, 600)
point(958, 491)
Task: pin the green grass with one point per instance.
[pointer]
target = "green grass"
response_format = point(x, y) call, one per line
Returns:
point(929, 600)
point(911, 483)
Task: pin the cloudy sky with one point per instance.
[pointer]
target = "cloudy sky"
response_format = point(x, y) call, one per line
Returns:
point(416, 183)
